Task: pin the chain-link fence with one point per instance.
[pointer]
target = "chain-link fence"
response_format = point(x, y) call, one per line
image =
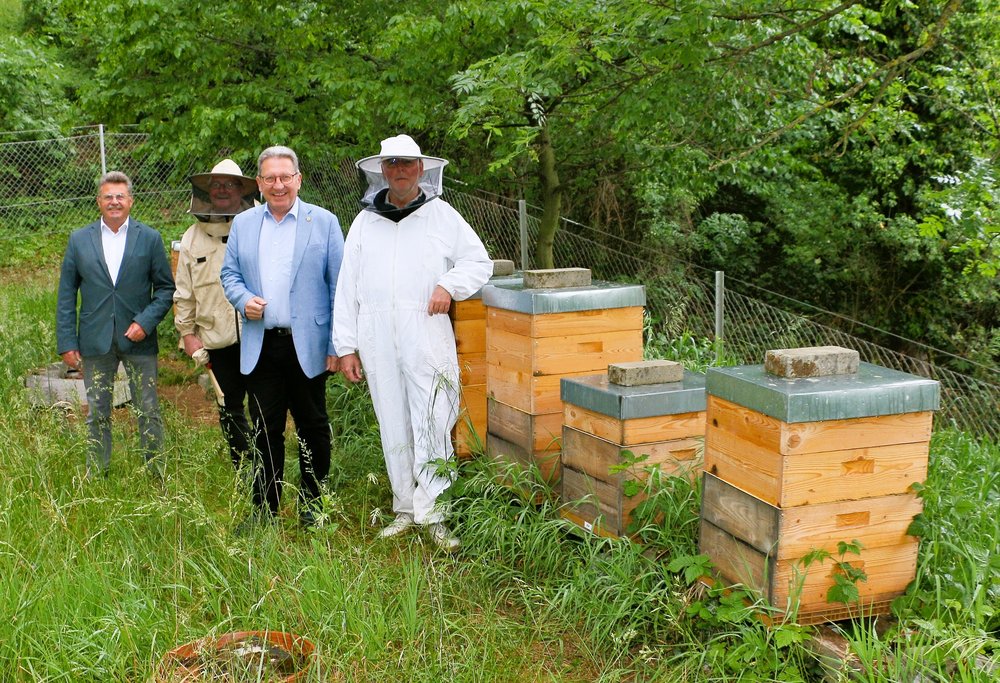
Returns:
point(48, 185)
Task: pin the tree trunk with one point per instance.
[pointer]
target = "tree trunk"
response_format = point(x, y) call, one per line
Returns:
point(551, 201)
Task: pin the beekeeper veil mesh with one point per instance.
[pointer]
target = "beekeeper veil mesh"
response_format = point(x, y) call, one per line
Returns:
point(222, 193)
point(401, 147)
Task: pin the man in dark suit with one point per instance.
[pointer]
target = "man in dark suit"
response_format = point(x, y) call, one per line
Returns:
point(119, 268)
point(280, 272)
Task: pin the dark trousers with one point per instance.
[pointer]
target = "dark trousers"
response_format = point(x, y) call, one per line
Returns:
point(232, 415)
point(276, 386)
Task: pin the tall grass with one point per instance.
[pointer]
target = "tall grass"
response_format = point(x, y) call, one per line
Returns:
point(102, 578)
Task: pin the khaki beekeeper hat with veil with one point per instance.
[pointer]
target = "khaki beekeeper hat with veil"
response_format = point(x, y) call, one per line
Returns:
point(221, 193)
point(401, 147)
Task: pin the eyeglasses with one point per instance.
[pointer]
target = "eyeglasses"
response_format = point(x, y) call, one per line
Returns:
point(119, 197)
point(285, 178)
point(225, 185)
point(398, 161)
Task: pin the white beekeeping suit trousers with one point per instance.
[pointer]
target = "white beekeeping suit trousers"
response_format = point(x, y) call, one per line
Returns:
point(386, 280)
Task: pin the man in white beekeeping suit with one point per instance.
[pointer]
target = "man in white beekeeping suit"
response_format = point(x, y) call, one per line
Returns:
point(407, 255)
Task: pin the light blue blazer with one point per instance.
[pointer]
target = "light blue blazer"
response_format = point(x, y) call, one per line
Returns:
point(319, 248)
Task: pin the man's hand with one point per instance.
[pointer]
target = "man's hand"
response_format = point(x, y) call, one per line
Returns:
point(350, 366)
point(254, 310)
point(332, 363)
point(440, 301)
point(72, 359)
point(191, 344)
point(135, 333)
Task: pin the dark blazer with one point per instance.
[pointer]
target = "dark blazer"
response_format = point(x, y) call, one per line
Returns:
point(143, 293)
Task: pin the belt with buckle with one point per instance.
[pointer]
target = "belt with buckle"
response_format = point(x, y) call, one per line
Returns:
point(279, 331)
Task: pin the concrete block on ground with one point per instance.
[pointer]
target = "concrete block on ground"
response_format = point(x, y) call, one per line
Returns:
point(502, 267)
point(57, 385)
point(813, 361)
point(644, 372)
point(555, 278)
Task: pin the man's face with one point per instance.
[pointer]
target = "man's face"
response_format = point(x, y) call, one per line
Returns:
point(224, 193)
point(403, 176)
point(279, 194)
point(115, 202)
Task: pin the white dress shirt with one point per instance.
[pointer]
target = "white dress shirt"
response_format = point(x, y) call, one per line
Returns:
point(276, 249)
point(114, 248)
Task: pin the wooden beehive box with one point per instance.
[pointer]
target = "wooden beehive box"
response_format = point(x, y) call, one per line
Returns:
point(468, 319)
point(614, 434)
point(534, 338)
point(808, 463)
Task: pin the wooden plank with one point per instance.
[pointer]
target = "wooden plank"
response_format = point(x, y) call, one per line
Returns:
point(596, 502)
point(472, 368)
point(748, 466)
point(792, 588)
point(596, 321)
point(561, 355)
point(852, 474)
point(806, 479)
point(875, 522)
point(818, 437)
point(789, 533)
point(738, 513)
point(735, 561)
point(596, 457)
point(584, 352)
point(546, 461)
point(469, 433)
point(889, 570)
point(536, 395)
point(470, 309)
point(636, 430)
point(470, 336)
point(531, 432)
point(585, 523)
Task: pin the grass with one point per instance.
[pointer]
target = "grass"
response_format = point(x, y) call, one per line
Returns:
point(102, 578)
point(10, 15)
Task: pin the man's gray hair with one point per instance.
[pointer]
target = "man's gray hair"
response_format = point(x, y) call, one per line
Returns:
point(116, 177)
point(278, 151)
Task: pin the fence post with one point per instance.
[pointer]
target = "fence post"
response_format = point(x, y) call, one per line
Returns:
point(720, 299)
point(522, 219)
point(104, 160)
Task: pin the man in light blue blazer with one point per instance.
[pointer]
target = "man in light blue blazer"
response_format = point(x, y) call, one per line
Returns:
point(280, 272)
point(119, 268)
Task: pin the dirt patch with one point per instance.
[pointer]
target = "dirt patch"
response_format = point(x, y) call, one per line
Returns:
point(179, 386)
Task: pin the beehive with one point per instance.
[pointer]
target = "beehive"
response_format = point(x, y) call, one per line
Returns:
point(468, 319)
point(803, 464)
point(660, 425)
point(536, 337)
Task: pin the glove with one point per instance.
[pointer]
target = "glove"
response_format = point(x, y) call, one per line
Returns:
point(200, 357)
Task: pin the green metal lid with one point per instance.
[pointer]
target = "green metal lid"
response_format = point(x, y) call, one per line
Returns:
point(599, 295)
point(871, 391)
point(514, 279)
point(595, 393)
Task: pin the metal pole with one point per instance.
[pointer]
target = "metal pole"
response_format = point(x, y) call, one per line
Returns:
point(522, 217)
point(720, 298)
point(104, 159)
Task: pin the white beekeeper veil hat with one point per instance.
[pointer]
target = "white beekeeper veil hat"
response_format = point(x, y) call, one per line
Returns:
point(401, 147)
point(223, 192)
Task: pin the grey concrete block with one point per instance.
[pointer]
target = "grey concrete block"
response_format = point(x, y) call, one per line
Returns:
point(644, 372)
point(502, 267)
point(57, 385)
point(813, 361)
point(555, 278)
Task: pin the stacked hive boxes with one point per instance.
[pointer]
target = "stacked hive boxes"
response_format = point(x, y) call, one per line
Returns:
point(659, 419)
point(798, 461)
point(468, 318)
point(556, 324)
